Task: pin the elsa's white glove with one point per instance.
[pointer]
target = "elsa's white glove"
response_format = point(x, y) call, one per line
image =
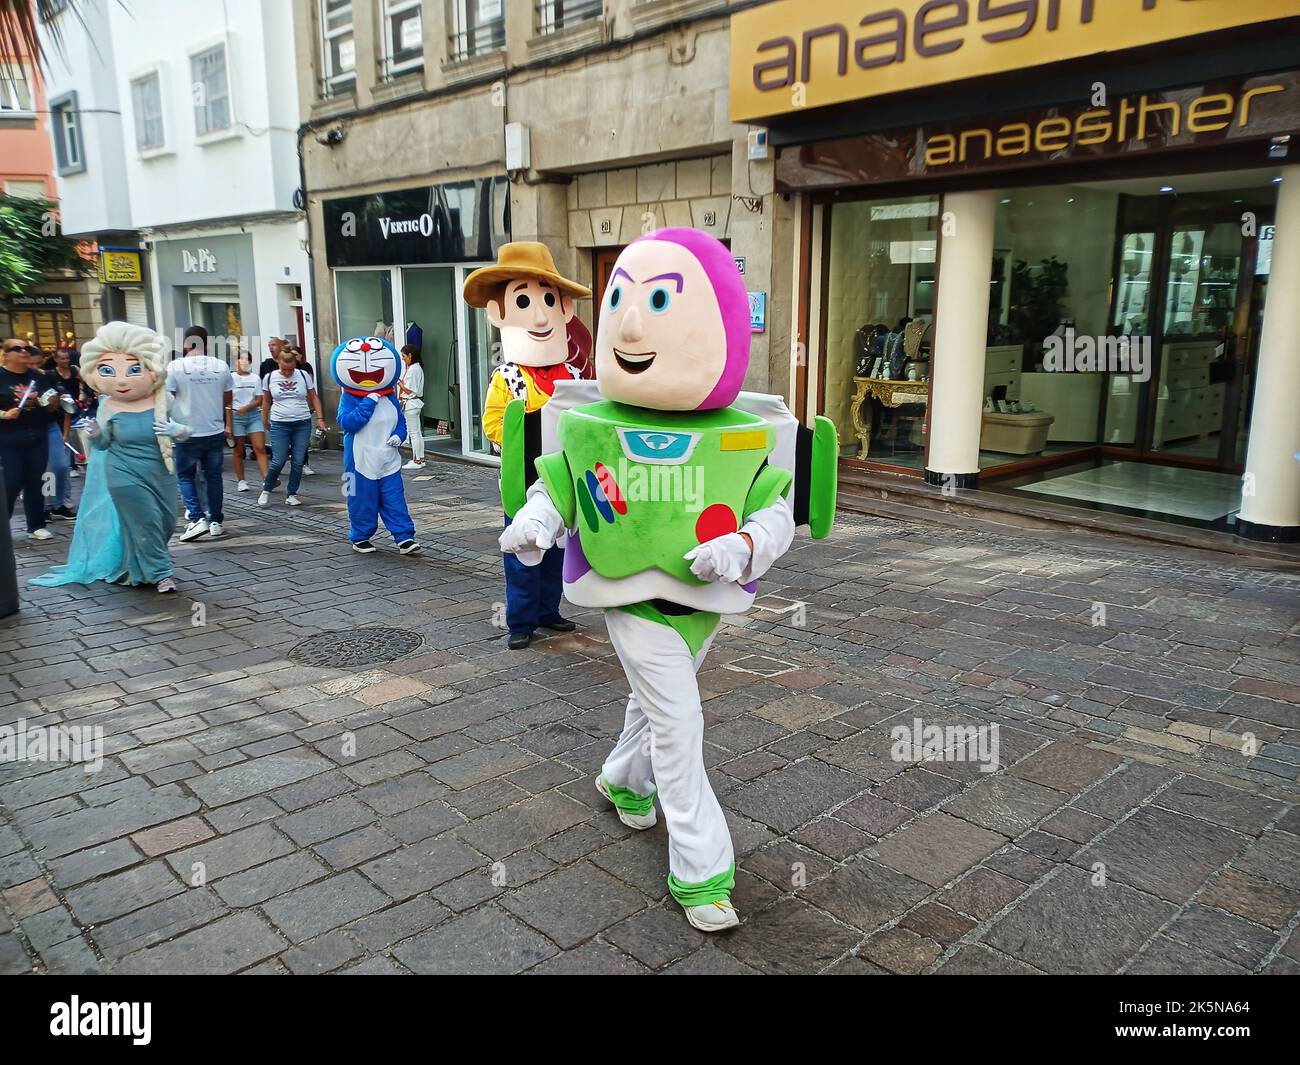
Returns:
point(394, 441)
point(174, 429)
point(534, 529)
point(724, 558)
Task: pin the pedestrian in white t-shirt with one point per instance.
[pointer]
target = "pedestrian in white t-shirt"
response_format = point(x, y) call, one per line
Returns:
point(288, 401)
point(246, 418)
point(200, 389)
point(410, 390)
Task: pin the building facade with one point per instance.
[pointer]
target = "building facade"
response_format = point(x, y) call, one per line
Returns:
point(435, 131)
point(60, 308)
point(1046, 250)
point(174, 136)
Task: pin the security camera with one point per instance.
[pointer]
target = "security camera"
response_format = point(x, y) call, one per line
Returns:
point(331, 137)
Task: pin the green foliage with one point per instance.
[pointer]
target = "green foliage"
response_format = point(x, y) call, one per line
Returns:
point(32, 244)
point(1036, 295)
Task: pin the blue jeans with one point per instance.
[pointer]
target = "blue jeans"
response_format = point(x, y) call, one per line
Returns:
point(59, 464)
point(288, 442)
point(533, 592)
point(210, 453)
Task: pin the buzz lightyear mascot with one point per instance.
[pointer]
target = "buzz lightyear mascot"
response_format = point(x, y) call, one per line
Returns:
point(679, 492)
point(370, 415)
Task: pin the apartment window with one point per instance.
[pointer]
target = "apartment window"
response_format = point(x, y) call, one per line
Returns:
point(556, 15)
point(211, 89)
point(66, 128)
point(15, 89)
point(403, 37)
point(146, 102)
point(338, 48)
point(477, 26)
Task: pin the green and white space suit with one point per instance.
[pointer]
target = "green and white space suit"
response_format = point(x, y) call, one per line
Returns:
point(639, 490)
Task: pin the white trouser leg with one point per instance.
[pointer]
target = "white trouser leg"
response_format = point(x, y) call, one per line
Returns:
point(661, 672)
point(415, 433)
point(628, 764)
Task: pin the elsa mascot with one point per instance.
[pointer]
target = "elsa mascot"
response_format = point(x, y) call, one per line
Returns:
point(128, 506)
point(370, 415)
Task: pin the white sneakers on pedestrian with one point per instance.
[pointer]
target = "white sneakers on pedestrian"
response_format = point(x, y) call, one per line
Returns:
point(638, 821)
point(307, 471)
point(215, 530)
point(413, 465)
point(242, 486)
point(292, 501)
point(167, 585)
point(713, 917)
point(40, 534)
point(264, 499)
point(194, 530)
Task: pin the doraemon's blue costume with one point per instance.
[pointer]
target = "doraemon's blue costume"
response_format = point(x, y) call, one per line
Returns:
point(367, 369)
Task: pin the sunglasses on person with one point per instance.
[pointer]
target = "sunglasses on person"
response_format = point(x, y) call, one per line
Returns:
point(21, 347)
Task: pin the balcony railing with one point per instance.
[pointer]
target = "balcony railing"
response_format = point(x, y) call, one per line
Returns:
point(556, 15)
point(485, 37)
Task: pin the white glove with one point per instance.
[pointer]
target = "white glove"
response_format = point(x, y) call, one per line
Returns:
point(394, 441)
point(374, 397)
point(533, 530)
point(171, 428)
point(721, 559)
point(91, 428)
point(48, 395)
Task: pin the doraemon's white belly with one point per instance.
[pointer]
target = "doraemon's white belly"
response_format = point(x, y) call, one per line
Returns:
point(371, 454)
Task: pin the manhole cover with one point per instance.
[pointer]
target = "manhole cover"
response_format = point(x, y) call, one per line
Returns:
point(356, 647)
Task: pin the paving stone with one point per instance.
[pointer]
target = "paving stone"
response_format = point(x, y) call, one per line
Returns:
point(710, 961)
point(590, 959)
point(376, 966)
point(1231, 938)
point(833, 838)
point(431, 819)
point(487, 941)
point(1274, 857)
point(29, 898)
point(73, 957)
point(573, 904)
point(322, 955)
point(325, 821)
point(152, 924)
point(343, 852)
point(225, 946)
point(306, 912)
point(865, 894)
point(419, 867)
point(86, 828)
point(937, 848)
point(531, 821)
point(938, 923)
point(120, 893)
point(495, 760)
point(982, 893)
point(1168, 957)
point(182, 833)
point(656, 937)
point(1005, 804)
point(267, 881)
point(1271, 905)
point(789, 937)
point(381, 930)
point(1066, 766)
point(786, 798)
point(227, 855)
point(1070, 926)
point(1163, 853)
point(900, 950)
point(977, 960)
point(258, 775)
point(1231, 807)
point(49, 927)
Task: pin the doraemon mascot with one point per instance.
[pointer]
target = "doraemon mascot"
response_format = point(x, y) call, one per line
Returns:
point(367, 369)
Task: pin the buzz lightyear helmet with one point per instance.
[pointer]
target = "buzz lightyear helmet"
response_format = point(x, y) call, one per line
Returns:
point(365, 364)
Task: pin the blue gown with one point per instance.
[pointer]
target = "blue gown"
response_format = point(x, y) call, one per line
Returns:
point(127, 511)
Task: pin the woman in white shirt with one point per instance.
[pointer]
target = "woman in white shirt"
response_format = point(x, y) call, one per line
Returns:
point(410, 390)
point(246, 417)
point(288, 402)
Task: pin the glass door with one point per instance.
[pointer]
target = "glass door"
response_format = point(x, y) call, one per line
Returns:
point(479, 353)
point(429, 305)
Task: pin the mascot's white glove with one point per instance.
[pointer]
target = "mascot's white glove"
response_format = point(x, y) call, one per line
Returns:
point(534, 528)
point(91, 428)
point(724, 558)
point(374, 397)
point(171, 428)
point(394, 441)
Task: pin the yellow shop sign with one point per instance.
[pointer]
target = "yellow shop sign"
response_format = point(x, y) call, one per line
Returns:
point(119, 267)
point(791, 54)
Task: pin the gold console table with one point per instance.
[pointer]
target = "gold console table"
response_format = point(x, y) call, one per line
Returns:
point(886, 393)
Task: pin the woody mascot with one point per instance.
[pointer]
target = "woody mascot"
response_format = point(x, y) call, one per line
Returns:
point(532, 306)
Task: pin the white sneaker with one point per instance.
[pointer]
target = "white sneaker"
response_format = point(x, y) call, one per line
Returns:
point(263, 499)
point(413, 465)
point(292, 501)
point(242, 486)
point(215, 530)
point(194, 530)
point(307, 471)
point(713, 917)
point(167, 585)
point(638, 821)
point(40, 534)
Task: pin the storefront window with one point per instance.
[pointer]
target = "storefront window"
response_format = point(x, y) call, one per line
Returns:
point(879, 314)
point(365, 303)
point(429, 302)
point(483, 344)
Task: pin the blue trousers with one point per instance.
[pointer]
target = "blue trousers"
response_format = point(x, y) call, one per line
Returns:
point(533, 592)
point(208, 452)
point(371, 500)
point(59, 464)
point(288, 444)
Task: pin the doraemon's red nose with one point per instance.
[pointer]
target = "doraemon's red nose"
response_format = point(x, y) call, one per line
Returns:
point(365, 346)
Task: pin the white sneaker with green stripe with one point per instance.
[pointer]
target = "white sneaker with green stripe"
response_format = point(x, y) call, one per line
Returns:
point(639, 821)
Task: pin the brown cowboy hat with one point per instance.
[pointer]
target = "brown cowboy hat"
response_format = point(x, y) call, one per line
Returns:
point(520, 258)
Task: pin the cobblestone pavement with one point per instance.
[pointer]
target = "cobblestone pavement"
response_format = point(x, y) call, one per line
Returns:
point(436, 812)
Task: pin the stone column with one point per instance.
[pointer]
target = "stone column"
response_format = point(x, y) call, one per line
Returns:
point(1270, 495)
point(961, 324)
